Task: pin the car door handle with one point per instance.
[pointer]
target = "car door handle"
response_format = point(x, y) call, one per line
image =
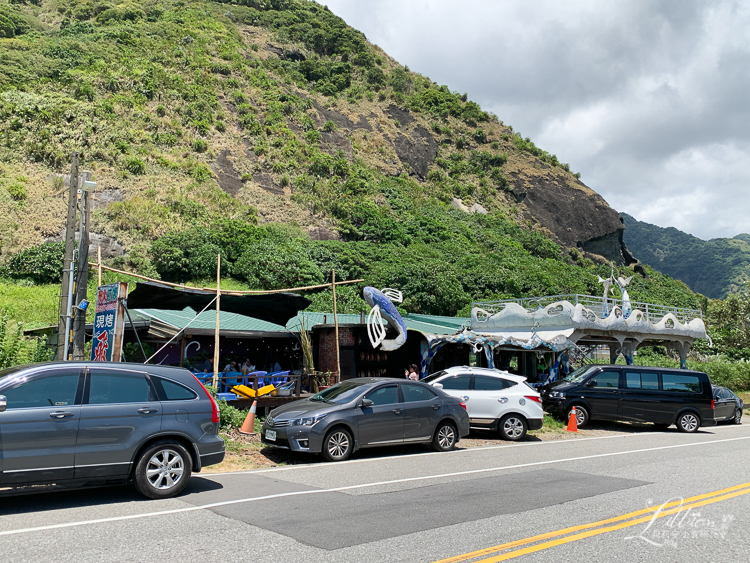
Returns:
point(147, 410)
point(436, 407)
point(397, 411)
point(502, 400)
point(60, 414)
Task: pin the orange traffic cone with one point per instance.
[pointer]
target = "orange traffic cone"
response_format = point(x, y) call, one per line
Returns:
point(248, 427)
point(573, 421)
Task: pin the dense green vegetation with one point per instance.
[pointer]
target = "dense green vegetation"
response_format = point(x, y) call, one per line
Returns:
point(143, 88)
point(714, 267)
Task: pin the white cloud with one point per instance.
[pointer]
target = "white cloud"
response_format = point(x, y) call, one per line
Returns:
point(647, 99)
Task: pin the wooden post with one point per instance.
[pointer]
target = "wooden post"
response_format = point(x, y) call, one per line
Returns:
point(99, 265)
point(82, 277)
point(216, 329)
point(336, 326)
point(70, 243)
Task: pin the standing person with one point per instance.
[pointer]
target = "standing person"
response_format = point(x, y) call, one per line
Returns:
point(413, 373)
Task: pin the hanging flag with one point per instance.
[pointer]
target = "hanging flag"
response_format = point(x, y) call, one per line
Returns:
point(109, 322)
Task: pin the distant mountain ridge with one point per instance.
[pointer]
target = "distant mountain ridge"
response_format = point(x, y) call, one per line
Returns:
point(713, 267)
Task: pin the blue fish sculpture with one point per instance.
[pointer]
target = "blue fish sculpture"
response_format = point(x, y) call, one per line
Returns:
point(384, 311)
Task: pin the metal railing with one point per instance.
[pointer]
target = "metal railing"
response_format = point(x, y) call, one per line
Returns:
point(652, 311)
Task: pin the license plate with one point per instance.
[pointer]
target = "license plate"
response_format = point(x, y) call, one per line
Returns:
point(271, 435)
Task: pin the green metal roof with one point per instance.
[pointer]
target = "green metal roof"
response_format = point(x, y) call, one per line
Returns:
point(238, 323)
point(207, 320)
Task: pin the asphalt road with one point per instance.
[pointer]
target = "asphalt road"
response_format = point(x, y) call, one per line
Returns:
point(587, 499)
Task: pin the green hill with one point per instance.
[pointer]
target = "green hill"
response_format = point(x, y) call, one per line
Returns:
point(714, 267)
point(272, 132)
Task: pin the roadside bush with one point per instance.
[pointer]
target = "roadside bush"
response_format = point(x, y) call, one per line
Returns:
point(42, 263)
point(15, 348)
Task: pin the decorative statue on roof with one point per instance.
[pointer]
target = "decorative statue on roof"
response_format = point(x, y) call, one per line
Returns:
point(383, 308)
point(626, 307)
point(605, 301)
point(620, 283)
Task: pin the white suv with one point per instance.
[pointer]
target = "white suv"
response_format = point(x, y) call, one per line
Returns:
point(495, 399)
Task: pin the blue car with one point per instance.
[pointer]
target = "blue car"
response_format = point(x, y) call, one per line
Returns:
point(81, 423)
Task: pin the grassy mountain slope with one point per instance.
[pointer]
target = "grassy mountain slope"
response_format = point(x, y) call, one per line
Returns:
point(270, 131)
point(714, 267)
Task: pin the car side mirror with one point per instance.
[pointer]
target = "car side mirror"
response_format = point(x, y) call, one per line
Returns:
point(591, 383)
point(437, 385)
point(3, 403)
point(365, 403)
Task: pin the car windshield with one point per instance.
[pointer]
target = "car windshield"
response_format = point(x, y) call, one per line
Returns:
point(434, 376)
point(580, 374)
point(340, 393)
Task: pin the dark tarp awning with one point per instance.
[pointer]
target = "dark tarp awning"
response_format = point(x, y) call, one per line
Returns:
point(273, 307)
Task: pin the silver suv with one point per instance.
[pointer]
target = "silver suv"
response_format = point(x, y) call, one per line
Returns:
point(85, 423)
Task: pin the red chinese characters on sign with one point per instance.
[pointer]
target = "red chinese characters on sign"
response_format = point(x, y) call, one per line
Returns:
point(102, 345)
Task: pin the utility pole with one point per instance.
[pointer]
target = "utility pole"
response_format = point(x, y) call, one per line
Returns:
point(70, 243)
point(82, 278)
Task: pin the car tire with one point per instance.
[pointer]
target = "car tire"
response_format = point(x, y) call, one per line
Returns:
point(337, 445)
point(582, 416)
point(688, 422)
point(737, 416)
point(163, 470)
point(445, 438)
point(512, 427)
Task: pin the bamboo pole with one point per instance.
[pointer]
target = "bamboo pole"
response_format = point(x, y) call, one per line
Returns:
point(336, 326)
point(99, 265)
point(213, 290)
point(216, 329)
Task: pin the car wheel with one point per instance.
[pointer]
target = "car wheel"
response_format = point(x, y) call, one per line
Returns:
point(688, 422)
point(512, 427)
point(163, 470)
point(582, 416)
point(337, 445)
point(445, 437)
point(737, 416)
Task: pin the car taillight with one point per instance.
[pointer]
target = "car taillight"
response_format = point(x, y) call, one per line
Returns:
point(713, 405)
point(533, 398)
point(214, 406)
point(463, 405)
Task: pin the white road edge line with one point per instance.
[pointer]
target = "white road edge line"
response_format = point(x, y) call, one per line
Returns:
point(352, 487)
point(423, 454)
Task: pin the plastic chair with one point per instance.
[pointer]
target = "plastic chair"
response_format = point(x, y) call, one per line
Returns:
point(278, 376)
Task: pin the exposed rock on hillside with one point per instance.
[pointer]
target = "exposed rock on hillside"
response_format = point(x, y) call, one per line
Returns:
point(236, 110)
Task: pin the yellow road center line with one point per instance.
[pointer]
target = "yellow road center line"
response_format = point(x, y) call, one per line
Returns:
point(517, 543)
point(591, 533)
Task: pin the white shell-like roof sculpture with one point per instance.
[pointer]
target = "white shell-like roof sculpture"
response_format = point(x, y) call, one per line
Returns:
point(578, 316)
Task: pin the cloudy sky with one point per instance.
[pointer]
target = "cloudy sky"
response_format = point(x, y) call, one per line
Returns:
point(649, 100)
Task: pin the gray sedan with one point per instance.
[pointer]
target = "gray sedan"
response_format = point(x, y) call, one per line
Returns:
point(367, 412)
